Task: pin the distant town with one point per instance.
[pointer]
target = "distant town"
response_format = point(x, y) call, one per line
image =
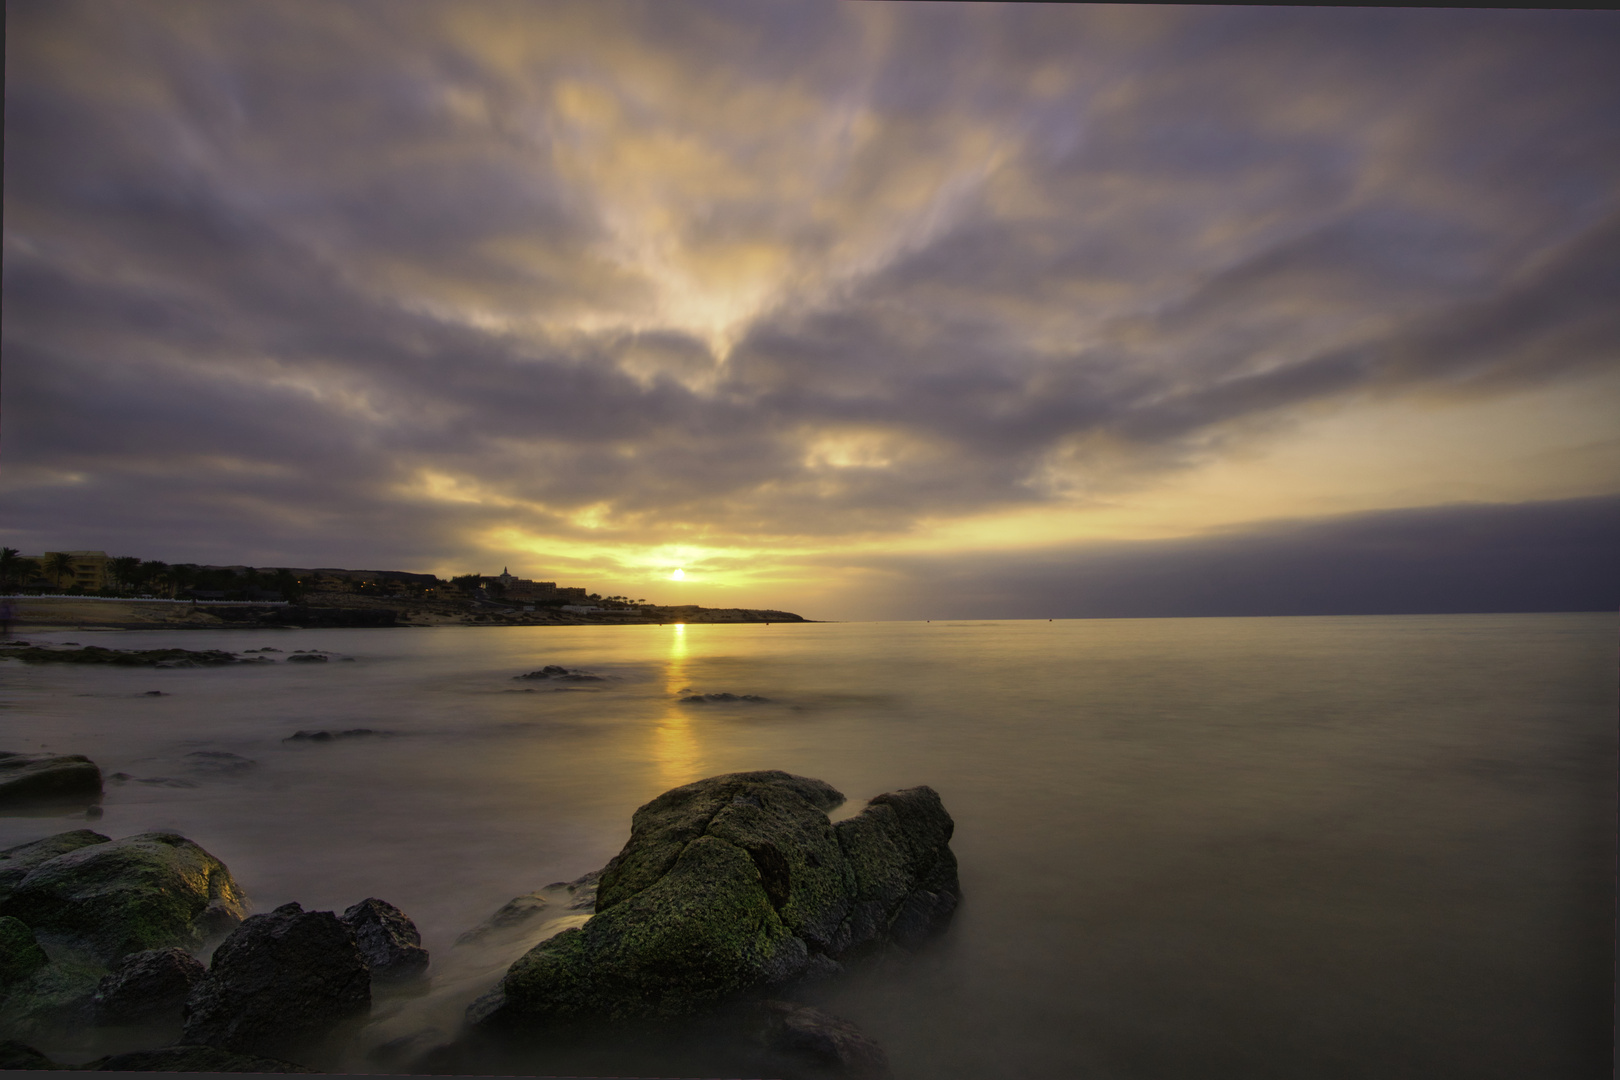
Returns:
point(318, 596)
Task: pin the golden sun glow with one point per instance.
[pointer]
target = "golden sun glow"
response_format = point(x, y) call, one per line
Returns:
point(678, 575)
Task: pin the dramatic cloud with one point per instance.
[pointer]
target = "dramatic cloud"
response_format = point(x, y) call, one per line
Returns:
point(773, 289)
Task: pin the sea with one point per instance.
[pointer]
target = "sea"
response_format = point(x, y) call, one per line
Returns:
point(1334, 847)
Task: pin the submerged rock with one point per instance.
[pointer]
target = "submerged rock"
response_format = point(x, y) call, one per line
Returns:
point(555, 671)
point(306, 658)
point(15, 862)
point(146, 987)
point(122, 896)
point(388, 940)
point(192, 1059)
point(279, 980)
point(704, 699)
point(95, 654)
point(558, 898)
point(735, 882)
point(44, 778)
point(803, 1034)
point(328, 736)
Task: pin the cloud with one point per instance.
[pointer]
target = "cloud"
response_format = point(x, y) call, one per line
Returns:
point(758, 275)
point(1549, 556)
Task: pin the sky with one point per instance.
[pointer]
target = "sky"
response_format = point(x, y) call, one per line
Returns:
point(856, 309)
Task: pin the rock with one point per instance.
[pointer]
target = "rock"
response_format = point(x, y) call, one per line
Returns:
point(556, 898)
point(828, 1043)
point(16, 1055)
point(46, 778)
point(305, 658)
point(95, 654)
point(328, 736)
point(279, 980)
point(52, 1000)
point(387, 939)
point(15, 862)
point(704, 699)
point(20, 954)
point(735, 882)
point(122, 896)
point(554, 671)
point(146, 987)
point(192, 1059)
point(219, 761)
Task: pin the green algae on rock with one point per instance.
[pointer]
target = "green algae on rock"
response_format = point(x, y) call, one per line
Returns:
point(732, 883)
point(15, 862)
point(121, 896)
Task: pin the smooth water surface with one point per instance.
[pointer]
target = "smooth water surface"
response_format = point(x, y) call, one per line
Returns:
point(1285, 847)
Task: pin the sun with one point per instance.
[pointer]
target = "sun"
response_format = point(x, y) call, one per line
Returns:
point(678, 575)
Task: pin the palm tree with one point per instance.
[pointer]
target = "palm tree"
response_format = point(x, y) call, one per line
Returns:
point(14, 569)
point(124, 570)
point(58, 565)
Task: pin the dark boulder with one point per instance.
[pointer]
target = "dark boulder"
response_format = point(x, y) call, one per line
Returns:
point(803, 1035)
point(328, 736)
point(15, 862)
point(279, 980)
point(735, 882)
point(147, 987)
point(306, 658)
point(192, 1059)
point(387, 939)
point(556, 671)
point(122, 896)
point(20, 954)
point(16, 1055)
point(27, 779)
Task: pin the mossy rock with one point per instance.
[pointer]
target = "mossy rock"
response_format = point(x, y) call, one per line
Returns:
point(54, 998)
point(192, 1059)
point(20, 954)
point(122, 896)
point(15, 862)
point(732, 883)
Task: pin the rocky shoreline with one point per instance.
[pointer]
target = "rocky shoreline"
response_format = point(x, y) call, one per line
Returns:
point(730, 892)
point(351, 612)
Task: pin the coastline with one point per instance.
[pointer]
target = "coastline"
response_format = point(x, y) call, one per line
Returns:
point(56, 613)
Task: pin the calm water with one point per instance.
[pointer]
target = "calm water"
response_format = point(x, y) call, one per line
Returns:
point(1288, 847)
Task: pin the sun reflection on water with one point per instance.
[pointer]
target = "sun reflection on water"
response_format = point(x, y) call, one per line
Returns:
point(675, 746)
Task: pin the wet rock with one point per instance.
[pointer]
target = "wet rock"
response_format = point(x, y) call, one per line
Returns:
point(305, 658)
point(704, 699)
point(15, 862)
point(219, 761)
point(388, 940)
point(17, 1055)
point(554, 671)
point(279, 980)
point(328, 736)
point(53, 999)
point(558, 898)
point(735, 882)
point(147, 987)
point(122, 896)
point(154, 693)
point(28, 779)
point(831, 1045)
point(95, 654)
point(192, 1059)
point(20, 954)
